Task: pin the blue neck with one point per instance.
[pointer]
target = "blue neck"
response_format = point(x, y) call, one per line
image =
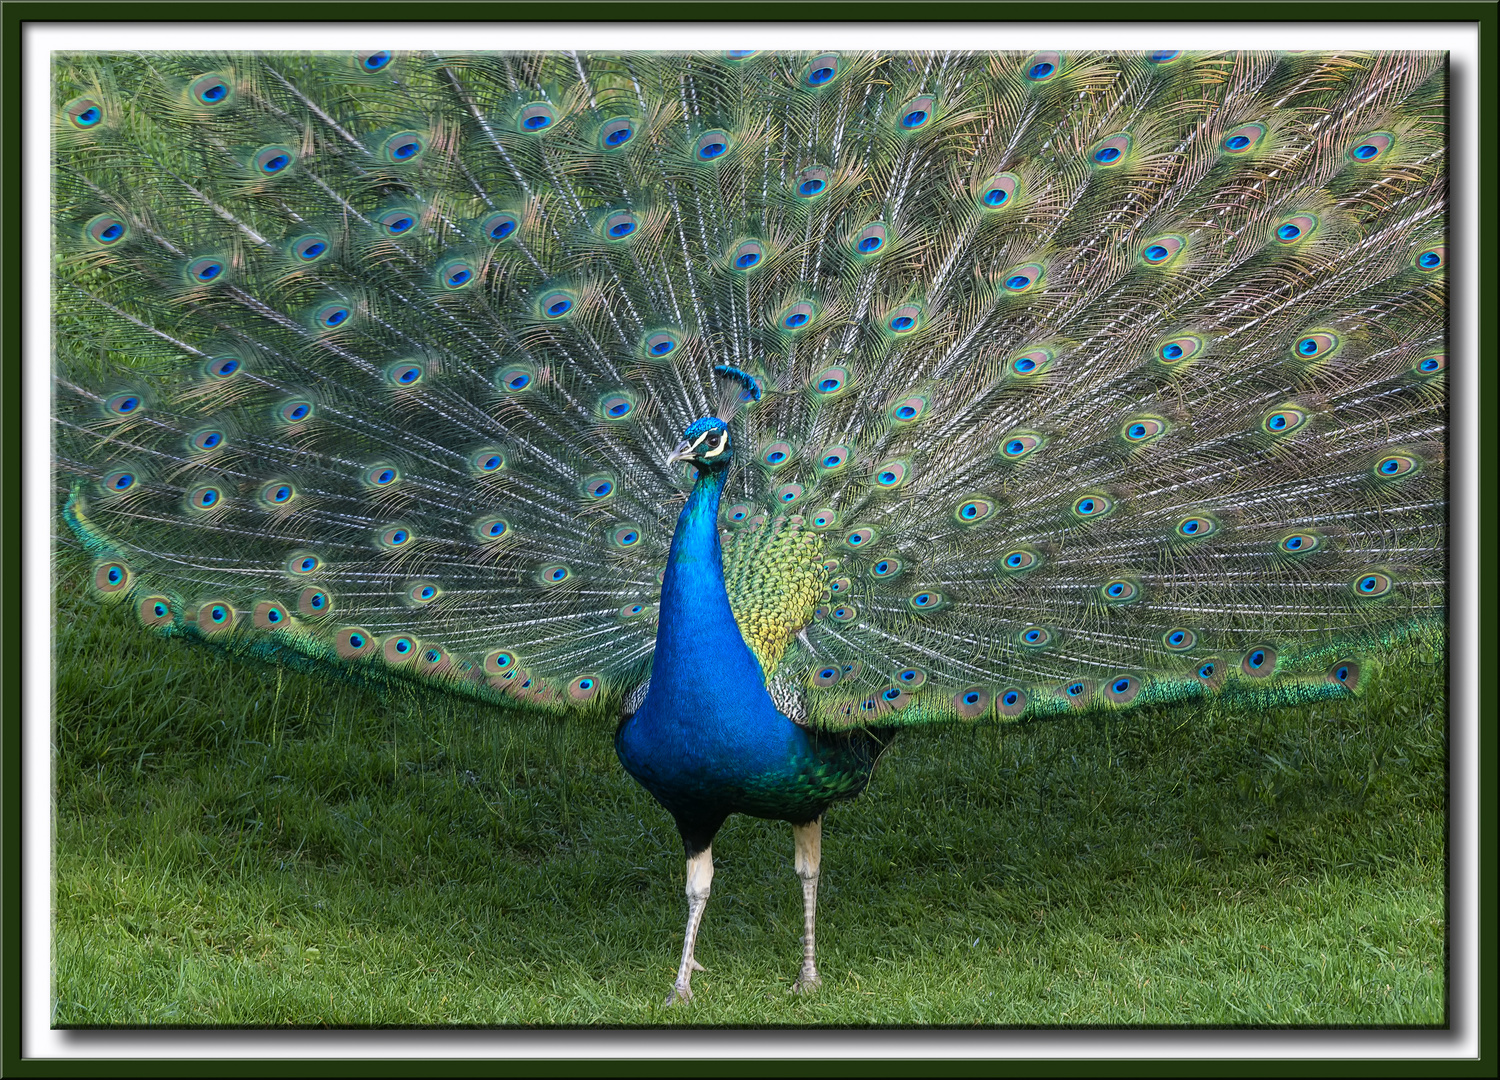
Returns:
point(701, 657)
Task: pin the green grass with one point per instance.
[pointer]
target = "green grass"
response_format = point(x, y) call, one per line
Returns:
point(236, 844)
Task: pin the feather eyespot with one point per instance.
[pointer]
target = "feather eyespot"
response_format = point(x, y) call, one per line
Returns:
point(1011, 703)
point(399, 649)
point(1431, 260)
point(1345, 673)
point(1111, 152)
point(84, 113)
point(833, 459)
point(1035, 637)
point(1042, 66)
point(1142, 429)
point(382, 475)
point(269, 615)
point(106, 230)
point(555, 303)
point(1022, 279)
point(972, 702)
point(396, 221)
point(1316, 345)
point(155, 611)
point(1120, 591)
point(825, 518)
point(1180, 639)
point(599, 487)
point(313, 601)
point(302, 563)
point(1284, 421)
point(886, 568)
point(617, 406)
point(1373, 584)
point(712, 145)
point(206, 270)
point(1163, 250)
point(1077, 692)
point(1089, 507)
point(403, 148)
point(862, 537)
point(838, 585)
point(125, 404)
point(830, 381)
point(747, 255)
point(373, 61)
point(1122, 689)
point(1431, 365)
point(211, 90)
point(1300, 543)
point(1032, 362)
point(455, 274)
point(1161, 57)
point(207, 439)
point(515, 378)
point(1179, 349)
point(871, 239)
point(536, 117)
point(844, 613)
point(499, 662)
point(353, 642)
point(910, 678)
point(554, 574)
point(909, 409)
point(491, 528)
point(295, 411)
point(1371, 147)
point(999, 191)
point(111, 577)
point(891, 474)
point(333, 315)
point(798, 317)
point(120, 481)
point(1196, 527)
point(1259, 662)
point(619, 225)
point(486, 462)
point(393, 537)
point(1295, 229)
point(273, 160)
point(778, 454)
point(1019, 560)
point(927, 600)
point(826, 676)
point(661, 343)
point(787, 494)
point(820, 70)
point(633, 611)
point(973, 510)
point(811, 182)
point(215, 616)
point(625, 536)
point(1396, 465)
point(1243, 139)
point(616, 133)
point(499, 226)
point(404, 373)
point(1210, 672)
point(916, 112)
point(584, 688)
point(205, 497)
point(1020, 445)
point(904, 319)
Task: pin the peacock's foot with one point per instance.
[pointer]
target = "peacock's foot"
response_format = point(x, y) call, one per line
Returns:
point(682, 990)
point(807, 983)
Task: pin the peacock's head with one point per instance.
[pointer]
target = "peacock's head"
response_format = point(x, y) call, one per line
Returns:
point(706, 444)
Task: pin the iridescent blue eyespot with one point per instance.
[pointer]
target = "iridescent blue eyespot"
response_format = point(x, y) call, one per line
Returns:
point(374, 61)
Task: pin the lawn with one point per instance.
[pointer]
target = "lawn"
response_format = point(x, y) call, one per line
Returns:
point(238, 844)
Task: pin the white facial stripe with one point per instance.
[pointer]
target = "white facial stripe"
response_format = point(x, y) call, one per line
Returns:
point(723, 442)
point(698, 441)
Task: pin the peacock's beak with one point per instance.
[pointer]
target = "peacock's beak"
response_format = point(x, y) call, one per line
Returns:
point(683, 452)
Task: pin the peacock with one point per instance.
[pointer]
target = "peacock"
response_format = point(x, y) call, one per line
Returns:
point(761, 404)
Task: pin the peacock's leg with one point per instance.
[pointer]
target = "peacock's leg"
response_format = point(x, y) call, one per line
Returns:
point(700, 875)
point(809, 840)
